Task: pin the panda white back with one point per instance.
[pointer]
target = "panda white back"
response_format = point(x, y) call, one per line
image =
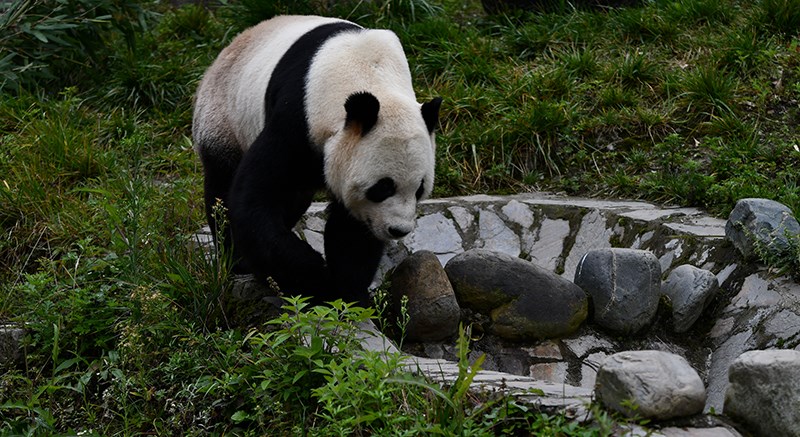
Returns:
point(230, 97)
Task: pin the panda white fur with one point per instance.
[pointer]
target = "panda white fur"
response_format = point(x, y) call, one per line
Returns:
point(299, 104)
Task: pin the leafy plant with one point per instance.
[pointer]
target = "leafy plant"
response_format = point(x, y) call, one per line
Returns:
point(42, 40)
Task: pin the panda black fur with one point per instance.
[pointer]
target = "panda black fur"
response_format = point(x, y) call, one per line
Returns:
point(298, 104)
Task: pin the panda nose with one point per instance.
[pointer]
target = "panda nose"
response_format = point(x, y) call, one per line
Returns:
point(397, 232)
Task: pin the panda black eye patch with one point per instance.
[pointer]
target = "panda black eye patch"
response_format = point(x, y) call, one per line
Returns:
point(421, 189)
point(382, 190)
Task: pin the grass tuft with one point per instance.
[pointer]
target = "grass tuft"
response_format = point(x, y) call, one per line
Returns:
point(780, 16)
point(708, 91)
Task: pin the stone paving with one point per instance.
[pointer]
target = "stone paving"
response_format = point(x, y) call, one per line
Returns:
point(755, 309)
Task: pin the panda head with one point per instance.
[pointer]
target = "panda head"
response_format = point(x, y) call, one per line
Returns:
point(381, 163)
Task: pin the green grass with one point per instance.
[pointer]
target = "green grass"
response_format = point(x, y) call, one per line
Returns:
point(689, 102)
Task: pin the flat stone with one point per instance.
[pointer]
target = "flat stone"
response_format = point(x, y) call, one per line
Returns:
point(479, 198)
point(203, 239)
point(523, 300)
point(706, 227)
point(315, 239)
point(432, 307)
point(621, 205)
point(624, 285)
point(593, 234)
point(755, 292)
point(582, 345)
point(642, 239)
point(698, 258)
point(462, 216)
point(764, 392)
point(690, 289)
point(717, 431)
point(725, 273)
point(761, 223)
point(518, 213)
point(659, 384)
point(495, 235)
point(550, 372)
point(315, 223)
point(589, 367)
point(783, 325)
point(722, 327)
point(435, 233)
point(545, 350)
point(548, 247)
point(649, 215)
point(721, 360)
point(674, 251)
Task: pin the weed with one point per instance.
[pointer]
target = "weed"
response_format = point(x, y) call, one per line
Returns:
point(43, 40)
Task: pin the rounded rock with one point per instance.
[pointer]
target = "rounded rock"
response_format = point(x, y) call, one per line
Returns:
point(624, 286)
point(764, 392)
point(650, 384)
point(432, 306)
point(523, 300)
point(761, 223)
point(690, 289)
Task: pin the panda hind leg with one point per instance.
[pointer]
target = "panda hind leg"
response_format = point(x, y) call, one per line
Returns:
point(219, 166)
point(352, 253)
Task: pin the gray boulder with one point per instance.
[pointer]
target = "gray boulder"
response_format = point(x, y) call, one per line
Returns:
point(650, 384)
point(10, 345)
point(690, 289)
point(624, 286)
point(523, 300)
point(432, 307)
point(761, 223)
point(764, 392)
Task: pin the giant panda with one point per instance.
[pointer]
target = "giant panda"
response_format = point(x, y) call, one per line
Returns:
point(300, 104)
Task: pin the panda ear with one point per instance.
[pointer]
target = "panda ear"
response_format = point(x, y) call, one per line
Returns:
point(430, 113)
point(362, 112)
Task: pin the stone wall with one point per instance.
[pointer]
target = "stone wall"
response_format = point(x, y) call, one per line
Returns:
point(752, 310)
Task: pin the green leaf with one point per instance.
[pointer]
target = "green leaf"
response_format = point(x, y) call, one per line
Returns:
point(39, 35)
point(65, 364)
point(240, 416)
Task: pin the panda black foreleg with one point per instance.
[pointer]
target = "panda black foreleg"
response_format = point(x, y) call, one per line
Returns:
point(267, 198)
point(271, 249)
point(353, 254)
